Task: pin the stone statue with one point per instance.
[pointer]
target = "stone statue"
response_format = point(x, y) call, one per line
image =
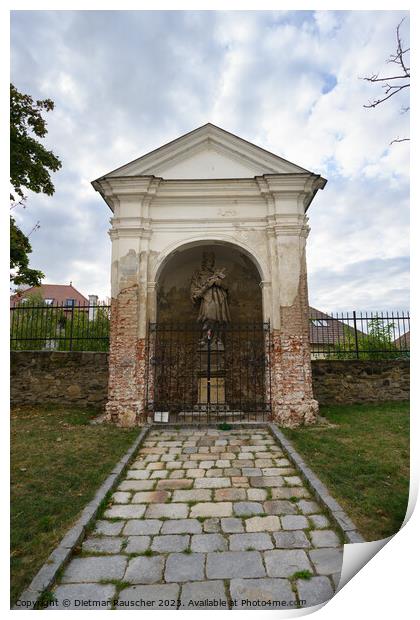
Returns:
point(210, 291)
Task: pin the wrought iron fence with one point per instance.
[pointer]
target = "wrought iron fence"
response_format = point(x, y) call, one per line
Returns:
point(358, 335)
point(59, 327)
point(196, 376)
point(78, 327)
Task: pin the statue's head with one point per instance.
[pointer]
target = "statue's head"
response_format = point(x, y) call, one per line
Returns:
point(208, 260)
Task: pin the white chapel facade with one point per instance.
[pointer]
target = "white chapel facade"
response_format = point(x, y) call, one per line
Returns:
point(209, 192)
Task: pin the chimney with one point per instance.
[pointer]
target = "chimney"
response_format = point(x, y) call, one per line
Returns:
point(93, 302)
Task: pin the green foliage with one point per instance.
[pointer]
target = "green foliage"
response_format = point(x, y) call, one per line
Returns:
point(377, 344)
point(35, 325)
point(30, 166)
point(20, 247)
point(30, 161)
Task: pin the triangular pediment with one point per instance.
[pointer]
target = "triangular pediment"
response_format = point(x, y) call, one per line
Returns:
point(208, 152)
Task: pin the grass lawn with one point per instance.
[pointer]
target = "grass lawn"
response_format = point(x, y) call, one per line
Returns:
point(364, 461)
point(57, 462)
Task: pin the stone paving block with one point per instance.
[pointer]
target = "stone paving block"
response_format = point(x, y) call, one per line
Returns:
point(288, 492)
point(173, 465)
point(226, 495)
point(182, 526)
point(121, 497)
point(244, 542)
point(293, 481)
point(201, 594)
point(138, 474)
point(141, 527)
point(260, 593)
point(184, 567)
point(74, 594)
point(241, 482)
point(251, 471)
point(241, 463)
point(324, 538)
point(222, 463)
point(319, 521)
point(139, 464)
point(159, 474)
point(245, 456)
point(209, 509)
point(154, 466)
point(291, 540)
point(206, 464)
point(136, 485)
point(232, 525)
point(171, 511)
point(145, 569)
point(150, 497)
point(263, 462)
point(137, 544)
point(171, 542)
point(271, 471)
point(160, 597)
point(108, 528)
point(263, 524)
point(308, 507)
point(280, 507)
point(256, 495)
point(104, 544)
point(314, 591)
point(231, 471)
point(214, 473)
point(231, 564)
point(294, 522)
point(211, 525)
point(196, 473)
point(177, 474)
point(211, 483)
point(272, 481)
point(284, 563)
point(244, 509)
point(208, 542)
point(327, 561)
point(192, 495)
point(95, 569)
point(172, 485)
point(125, 511)
point(190, 450)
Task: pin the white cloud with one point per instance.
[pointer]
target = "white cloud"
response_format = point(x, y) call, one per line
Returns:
point(124, 83)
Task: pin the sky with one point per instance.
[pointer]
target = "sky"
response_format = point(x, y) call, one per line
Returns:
point(126, 82)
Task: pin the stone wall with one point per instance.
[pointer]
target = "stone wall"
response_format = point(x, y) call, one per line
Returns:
point(355, 381)
point(82, 378)
point(59, 377)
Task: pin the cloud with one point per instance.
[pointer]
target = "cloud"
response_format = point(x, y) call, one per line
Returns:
point(125, 82)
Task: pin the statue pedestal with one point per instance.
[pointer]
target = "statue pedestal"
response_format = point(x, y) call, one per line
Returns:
point(217, 390)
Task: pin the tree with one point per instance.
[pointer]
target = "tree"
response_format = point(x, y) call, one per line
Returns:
point(395, 82)
point(30, 166)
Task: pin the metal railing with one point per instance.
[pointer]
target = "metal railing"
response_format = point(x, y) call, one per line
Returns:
point(359, 335)
point(59, 327)
point(78, 327)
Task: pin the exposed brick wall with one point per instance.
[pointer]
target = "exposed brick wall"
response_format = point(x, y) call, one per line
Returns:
point(126, 390)
point(353, 381)
point(293, 402)
point(60, 377)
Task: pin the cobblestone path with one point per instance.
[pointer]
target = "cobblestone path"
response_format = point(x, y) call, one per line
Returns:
point(206, 519)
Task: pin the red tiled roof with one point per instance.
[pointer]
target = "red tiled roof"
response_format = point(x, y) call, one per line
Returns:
point(58, 292)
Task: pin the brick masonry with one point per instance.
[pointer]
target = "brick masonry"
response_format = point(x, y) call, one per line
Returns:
point(82, 378)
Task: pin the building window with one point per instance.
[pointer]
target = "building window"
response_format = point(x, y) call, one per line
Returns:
point(49, 301)
point(70, 302)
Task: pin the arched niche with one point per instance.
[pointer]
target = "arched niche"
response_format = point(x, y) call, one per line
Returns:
point(173, 302)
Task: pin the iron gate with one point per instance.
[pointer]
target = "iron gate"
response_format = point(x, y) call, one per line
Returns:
point(209, 377)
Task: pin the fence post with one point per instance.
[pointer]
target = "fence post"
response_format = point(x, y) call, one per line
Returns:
point(356, 340)
point(71, 327)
